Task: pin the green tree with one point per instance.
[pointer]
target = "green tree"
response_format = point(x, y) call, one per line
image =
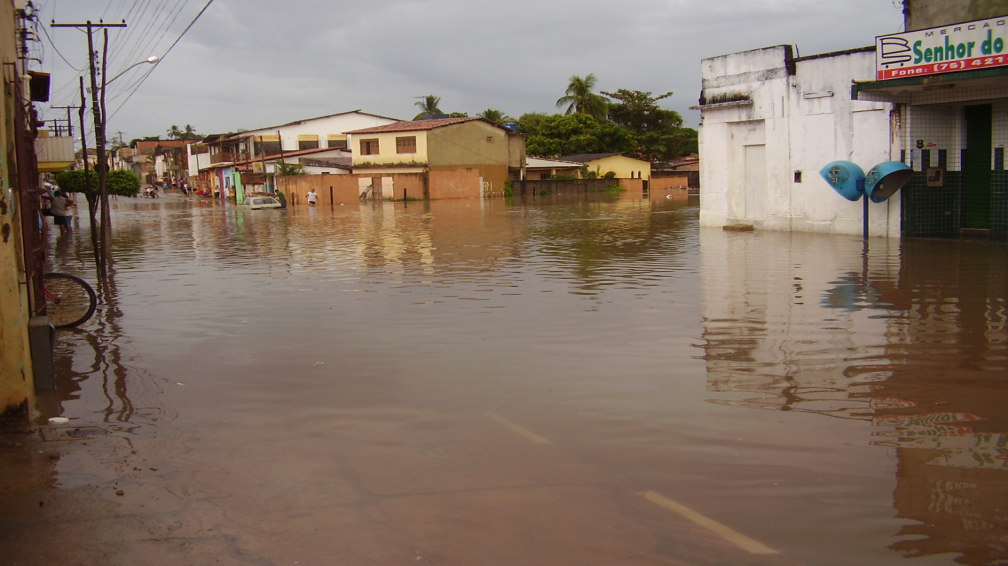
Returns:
point(119, 182)
point(174, 132)
point(560, 134)
point(428, 105)
point(579, 98)
point(124, 183)
point(655, 134)
point(189, 132)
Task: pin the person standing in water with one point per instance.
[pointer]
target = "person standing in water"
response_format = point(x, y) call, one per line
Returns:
point(59, 211)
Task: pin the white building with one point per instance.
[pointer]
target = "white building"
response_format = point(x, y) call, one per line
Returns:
point(770, 122)
point(252, 154)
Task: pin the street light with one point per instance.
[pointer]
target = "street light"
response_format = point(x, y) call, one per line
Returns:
point(151, 60)
point(105, 238)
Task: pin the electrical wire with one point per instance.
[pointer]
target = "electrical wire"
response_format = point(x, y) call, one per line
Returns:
point(172, 46)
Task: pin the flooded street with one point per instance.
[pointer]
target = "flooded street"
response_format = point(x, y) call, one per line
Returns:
point(498, 383)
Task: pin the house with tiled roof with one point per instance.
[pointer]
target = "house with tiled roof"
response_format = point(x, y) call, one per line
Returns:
point(455, 157)
point(225, 163)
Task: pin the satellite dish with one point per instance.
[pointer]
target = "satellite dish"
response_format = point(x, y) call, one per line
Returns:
point(846, 178)
point(883, 180)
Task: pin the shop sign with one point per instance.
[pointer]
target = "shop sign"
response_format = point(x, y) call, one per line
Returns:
point(958, 47)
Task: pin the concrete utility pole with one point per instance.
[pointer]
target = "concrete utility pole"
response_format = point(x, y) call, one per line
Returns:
point(98, 110)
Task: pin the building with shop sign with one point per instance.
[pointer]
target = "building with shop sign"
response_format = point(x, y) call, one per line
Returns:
point(933, 97)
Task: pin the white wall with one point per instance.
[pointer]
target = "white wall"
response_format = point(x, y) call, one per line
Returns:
point(800, 110)
point(321, 127)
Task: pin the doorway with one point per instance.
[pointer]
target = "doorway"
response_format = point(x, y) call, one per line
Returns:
point(977, 167)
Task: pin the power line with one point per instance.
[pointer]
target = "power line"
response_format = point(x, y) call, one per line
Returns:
point(172, 46)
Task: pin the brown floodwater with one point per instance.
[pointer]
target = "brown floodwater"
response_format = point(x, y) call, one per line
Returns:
point(581, 382)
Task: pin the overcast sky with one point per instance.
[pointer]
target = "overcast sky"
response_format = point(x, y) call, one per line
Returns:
point(247, 64)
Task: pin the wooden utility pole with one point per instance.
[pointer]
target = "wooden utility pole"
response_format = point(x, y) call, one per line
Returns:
point(99, 124)
point(69, 123)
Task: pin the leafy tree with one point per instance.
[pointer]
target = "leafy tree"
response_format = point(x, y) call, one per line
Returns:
point(118, 182)
point(189, 132)
point(530, 123)
point(77, 181)
point(123, 182)
point(580, 99)
point(284, 169)
point(174, 132)
point(428, 105)
point(656, 134)
point(558, 135)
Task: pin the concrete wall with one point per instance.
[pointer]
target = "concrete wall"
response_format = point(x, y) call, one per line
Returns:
point(770, 123)
point(923, 14)
point(561, 187)
point(468, 143)
point(16, 372)
point(452, 182)
point(320, 127)
point(346, 189)
point(387, 153)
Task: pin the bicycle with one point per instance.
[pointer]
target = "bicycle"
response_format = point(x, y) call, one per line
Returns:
point(70, 301)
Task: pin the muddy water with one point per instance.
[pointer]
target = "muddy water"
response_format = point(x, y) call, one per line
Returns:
point(525, 383)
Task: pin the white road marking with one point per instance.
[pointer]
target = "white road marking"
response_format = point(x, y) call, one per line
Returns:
point(738, 539)
point(519, 430)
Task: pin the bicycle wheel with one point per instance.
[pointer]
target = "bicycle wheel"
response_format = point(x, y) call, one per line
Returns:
point(69, 299)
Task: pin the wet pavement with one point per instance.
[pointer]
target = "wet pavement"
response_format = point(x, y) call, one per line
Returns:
point(492, 383)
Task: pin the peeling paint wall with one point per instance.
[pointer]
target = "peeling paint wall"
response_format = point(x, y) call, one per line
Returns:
point(16, 382)
point(770, 122)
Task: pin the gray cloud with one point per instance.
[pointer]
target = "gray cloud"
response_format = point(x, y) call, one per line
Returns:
point(255, 63)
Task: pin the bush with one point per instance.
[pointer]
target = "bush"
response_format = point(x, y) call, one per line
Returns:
point(119, 182)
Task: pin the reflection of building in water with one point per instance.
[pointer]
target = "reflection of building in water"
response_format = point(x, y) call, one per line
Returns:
point(914, 339)
point(766, 330)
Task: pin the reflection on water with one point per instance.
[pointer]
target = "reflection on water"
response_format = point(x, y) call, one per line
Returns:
point(910, 336)
point(789, 376)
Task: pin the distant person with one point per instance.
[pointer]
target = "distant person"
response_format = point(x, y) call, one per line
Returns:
point(312, 197)
point(59, 211)
point(282, 199)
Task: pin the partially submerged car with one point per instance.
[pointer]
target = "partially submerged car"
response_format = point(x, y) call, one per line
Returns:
point(256, 202)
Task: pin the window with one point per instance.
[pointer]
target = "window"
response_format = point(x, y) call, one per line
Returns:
point(405, 145)
point(369, 147)
point(308, 142)
point(336, 141)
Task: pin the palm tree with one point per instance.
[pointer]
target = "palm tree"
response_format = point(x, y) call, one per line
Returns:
point(495, 116)
point(428, 105)
point(580, 99)
point(189, 132)
point(174, 132)
point(282, 169)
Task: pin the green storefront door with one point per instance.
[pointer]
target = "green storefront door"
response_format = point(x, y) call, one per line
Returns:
point(977, 168)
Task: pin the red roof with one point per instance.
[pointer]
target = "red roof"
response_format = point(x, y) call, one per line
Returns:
point(147, 146)
point(419, 125)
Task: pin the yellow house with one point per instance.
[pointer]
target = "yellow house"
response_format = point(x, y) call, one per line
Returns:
point(459, 157)
point(621, 166)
